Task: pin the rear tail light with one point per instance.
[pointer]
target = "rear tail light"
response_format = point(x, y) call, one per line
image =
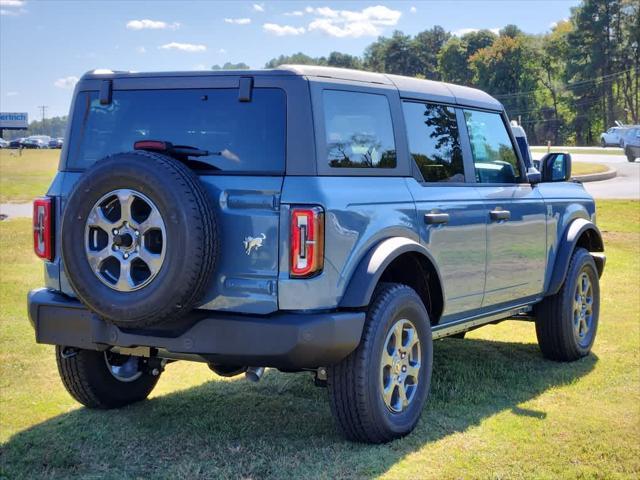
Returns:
point(307, 241)
point(43, 228)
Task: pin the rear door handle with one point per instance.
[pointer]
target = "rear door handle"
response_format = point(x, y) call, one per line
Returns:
point(500, 215)
point(436, 218)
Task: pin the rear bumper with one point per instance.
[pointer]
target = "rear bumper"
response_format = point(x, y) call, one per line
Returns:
point(283, 340)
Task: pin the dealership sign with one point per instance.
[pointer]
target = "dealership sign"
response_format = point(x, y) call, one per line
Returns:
point(13, 120)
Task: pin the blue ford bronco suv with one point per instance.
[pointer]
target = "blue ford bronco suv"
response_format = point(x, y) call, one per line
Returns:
point(305, 219)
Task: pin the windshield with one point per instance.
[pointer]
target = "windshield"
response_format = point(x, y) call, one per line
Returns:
point(248, 136)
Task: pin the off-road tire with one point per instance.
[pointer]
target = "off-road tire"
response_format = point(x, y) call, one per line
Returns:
point(554, 315)
point(191, 231)
point(87, 378)
point(354, 383)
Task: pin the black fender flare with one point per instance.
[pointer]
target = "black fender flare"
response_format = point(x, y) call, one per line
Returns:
point(567, 245)
point(368, 272)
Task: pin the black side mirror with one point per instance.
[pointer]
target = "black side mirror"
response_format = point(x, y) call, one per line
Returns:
point(556, 167)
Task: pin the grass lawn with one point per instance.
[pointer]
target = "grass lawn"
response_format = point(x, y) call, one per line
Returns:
point(496, 410)
point(23, 177)
point(586, 151)
point(584, 168)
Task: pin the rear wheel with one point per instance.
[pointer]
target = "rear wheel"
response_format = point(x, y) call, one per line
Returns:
point(566, 323)
point(377, 393)
point(104, 379)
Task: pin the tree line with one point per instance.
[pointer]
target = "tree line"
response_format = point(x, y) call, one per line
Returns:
point(565, 86)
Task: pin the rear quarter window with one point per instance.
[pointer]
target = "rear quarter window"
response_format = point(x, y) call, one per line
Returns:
point(358, 130)
point(249, 136)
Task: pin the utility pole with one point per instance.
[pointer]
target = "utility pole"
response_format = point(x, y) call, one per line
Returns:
point(44, 110)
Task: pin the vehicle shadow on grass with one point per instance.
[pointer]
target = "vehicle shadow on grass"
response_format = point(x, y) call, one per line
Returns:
point(281, 427)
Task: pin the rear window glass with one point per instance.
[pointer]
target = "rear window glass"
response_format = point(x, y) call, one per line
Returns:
point(246, 136)
point(359, 132)
point(434, 141)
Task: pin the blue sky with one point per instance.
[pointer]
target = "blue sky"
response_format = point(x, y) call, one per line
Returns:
point(45, 45)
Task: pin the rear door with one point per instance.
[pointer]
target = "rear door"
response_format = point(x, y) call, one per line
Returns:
point(515, 212)
point(450, 211)
point(242, 122)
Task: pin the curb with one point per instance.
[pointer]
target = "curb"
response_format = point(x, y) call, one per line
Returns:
point(596, 177)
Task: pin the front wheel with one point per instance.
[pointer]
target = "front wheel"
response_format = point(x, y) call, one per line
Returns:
point(377, 393)
point(566, 323)
point(104, 379)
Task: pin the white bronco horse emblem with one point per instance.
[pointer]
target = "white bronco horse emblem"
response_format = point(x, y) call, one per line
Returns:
point(251, 243)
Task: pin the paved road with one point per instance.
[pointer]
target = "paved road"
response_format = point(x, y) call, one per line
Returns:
point(625, 185)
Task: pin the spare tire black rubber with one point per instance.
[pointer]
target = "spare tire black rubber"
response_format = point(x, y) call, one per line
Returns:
point(187, 242)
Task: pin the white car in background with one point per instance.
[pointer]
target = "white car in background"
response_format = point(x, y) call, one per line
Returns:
point(613, 137)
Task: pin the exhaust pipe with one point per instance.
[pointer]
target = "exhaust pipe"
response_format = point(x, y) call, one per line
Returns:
point(254, 374)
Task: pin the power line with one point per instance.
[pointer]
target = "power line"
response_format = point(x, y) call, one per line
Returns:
point(568, 85)
point(43, 108)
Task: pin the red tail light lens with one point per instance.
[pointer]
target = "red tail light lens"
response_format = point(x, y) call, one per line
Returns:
point(42, 228)
point(307, 241)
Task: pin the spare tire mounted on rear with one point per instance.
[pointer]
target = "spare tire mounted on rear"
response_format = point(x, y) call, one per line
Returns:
point(139, 239)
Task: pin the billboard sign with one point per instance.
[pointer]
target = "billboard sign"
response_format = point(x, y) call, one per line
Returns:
point(14, 121)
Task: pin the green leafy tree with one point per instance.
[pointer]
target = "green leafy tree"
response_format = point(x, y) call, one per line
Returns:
point(427, 46)
point(231, 66)
point(453, 63)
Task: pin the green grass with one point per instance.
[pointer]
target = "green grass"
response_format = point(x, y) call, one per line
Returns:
point(584, 168)
point(26, 176)
point(497, 409)
point(585, 151)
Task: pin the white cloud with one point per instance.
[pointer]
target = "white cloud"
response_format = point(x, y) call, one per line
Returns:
point(146, 24)
point(200, 66)
point(238, 21)
point(555, 24)
point(184, 47)
point(463, 31)
point(353, 23)
point(12, 8)
point(258, 7)
point(413, 9)
point(66, 82)
point(222, 51)
point(282, 30)
point(12, 94)
point(295, 13)
point(141, 50)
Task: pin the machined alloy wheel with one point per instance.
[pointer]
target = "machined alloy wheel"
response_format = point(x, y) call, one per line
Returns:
point(400, 366)
point(378, 391)
point(567, 322)
point(139, 239)
point(583, 310)
point(125, 240)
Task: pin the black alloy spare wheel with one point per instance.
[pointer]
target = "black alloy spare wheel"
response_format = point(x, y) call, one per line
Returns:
point(139, 239)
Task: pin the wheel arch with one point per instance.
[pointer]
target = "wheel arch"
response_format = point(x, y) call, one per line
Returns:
point(398, 260)
point(580, 233)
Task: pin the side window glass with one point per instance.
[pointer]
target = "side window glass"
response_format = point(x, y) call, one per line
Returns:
point(359, 132)
point(434, 141)
point(494, 157)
